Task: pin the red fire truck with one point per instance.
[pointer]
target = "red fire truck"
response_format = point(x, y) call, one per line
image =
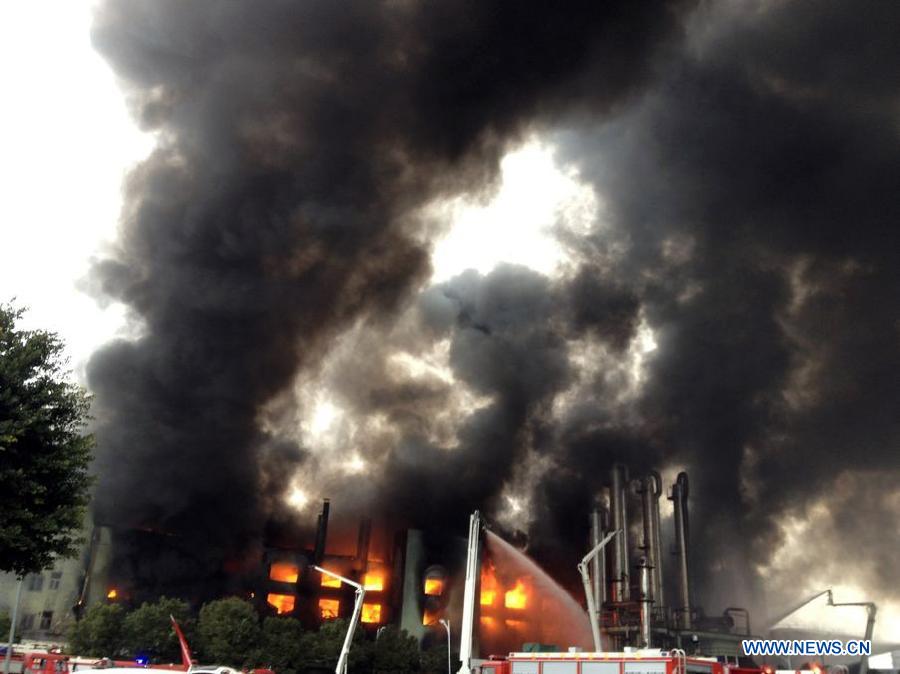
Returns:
point(635, 662)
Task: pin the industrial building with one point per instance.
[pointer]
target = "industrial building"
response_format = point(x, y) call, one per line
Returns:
point(50, 601)
point(420, 580)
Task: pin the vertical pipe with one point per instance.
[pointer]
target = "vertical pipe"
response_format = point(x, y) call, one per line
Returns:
point(621, 590)
point(656, 542)
point(646, 602)
point(650, 488)
point(679, 498)
point(362, 544)
point(321, 533)
point(596, 535)
point(645, 489)
point(603, 579)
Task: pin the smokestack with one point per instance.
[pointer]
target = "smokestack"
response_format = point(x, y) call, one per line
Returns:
point(599, 524)
point(362, 544)
point(650, 490)
point(679, 496)
point(321, 533)
point(646, 572)
point(620, 588)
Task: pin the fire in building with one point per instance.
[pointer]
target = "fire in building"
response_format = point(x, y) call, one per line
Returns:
point(420, 581)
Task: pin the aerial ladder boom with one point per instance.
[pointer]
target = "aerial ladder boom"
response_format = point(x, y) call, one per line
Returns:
point(354, 619)
point(592, 608)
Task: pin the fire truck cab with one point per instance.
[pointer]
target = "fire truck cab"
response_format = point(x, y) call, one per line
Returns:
point(54, 663)
point(637, 662)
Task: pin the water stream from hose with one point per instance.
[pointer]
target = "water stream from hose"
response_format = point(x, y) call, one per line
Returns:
point(521, 603)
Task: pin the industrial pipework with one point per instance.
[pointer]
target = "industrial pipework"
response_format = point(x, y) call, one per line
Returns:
point(321, 533)
point(621, 590)
point(646, 600)
point(650, 489)
point(679, 496)
point(599, 525)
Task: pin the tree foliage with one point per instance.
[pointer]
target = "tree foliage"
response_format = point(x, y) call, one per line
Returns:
point(434, 660)
point(44, 455)
point(229, 632)
point(395, 651)
point(147, 631)
point(322, 648)
point(280, 645)
point(100, 632)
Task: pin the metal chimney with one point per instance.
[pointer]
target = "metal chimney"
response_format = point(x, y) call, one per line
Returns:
point(679, 496)
point(362, 544)
point(621, 590)
point(321, 533)
point(646, 571)
point(650, 489)
point(599, 525)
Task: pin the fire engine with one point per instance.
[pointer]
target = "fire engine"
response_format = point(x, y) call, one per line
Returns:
point(632, 662)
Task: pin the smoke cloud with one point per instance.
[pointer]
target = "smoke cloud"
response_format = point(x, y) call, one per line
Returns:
point(733, 310)
point(297, 147)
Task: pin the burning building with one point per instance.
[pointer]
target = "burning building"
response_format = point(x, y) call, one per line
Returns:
point(420, 581)
point(410, 584)
point(290, 586)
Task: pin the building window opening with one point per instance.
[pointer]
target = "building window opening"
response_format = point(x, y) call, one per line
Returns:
point(282, 603)
point(284, 572)
point(329, 608)
point(371, 613)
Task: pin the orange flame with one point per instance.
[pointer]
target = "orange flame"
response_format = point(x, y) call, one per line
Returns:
point(373, 581)
point(329, 608)
point(284, 572)
point(112, 594)
point(434, 587)
point(371, 613)
point(517, 597)
point(429, 618)
point(328, 581)
point(282, 603)
point(489, 585)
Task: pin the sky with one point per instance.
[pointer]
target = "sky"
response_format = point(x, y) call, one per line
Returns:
point(69, 142)
point(569, 265)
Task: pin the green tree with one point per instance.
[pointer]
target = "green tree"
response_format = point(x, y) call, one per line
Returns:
point(395, 651)
point(44, 454)
point(434, 660)
point(99, 633)
point(322, 648)
point(280, 645)
point(147, 631)
point(229, 632)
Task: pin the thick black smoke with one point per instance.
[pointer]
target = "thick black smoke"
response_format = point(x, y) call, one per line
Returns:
point(297, 143)
point(755, 188)
point(747, 160)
